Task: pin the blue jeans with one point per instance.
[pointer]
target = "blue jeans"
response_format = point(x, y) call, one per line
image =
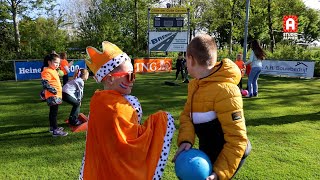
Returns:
point(253, 81)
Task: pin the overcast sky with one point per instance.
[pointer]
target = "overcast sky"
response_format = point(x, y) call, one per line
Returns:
point(315, 4)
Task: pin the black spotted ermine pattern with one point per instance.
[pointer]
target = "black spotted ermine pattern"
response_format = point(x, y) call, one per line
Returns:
point(167, 138)
point(136, 105)
point(166, 143)
point(82, 166)
point(110, 65)
point(165, 148)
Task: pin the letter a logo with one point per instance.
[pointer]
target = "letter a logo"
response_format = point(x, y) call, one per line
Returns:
point(290, 24)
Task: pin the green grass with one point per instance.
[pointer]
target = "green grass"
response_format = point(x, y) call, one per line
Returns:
point(283, 125)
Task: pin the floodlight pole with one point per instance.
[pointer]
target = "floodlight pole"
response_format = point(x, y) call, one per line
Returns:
point(189, 37)
point(148, 31)
point(246, 31)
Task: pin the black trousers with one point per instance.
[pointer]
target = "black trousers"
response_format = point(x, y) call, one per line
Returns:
point(211, 141)
point(186, 72)
point(179, 69)
point(75, 107)
point(53, 116)
point(240, 84)
point(65, 79)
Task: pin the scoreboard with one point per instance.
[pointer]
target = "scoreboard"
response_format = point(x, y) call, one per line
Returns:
point(168, 22)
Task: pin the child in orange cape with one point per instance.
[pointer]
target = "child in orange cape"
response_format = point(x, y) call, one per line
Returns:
point(118, 145)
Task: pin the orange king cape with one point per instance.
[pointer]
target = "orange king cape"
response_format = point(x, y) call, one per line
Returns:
point(118, 147)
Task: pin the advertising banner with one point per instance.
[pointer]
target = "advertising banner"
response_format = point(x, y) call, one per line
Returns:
point(168, 10)
point(26, 70)
point(152, 65)
point(168, 41)
point(288, 68)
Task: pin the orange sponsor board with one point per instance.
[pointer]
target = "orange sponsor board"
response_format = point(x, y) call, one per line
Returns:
point(152, 65)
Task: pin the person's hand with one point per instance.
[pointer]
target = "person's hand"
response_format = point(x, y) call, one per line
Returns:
point(213, 176)
point(182, 147)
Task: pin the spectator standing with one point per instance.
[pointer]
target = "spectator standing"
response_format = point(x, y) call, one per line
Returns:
point(65, 67)
point(256, 58)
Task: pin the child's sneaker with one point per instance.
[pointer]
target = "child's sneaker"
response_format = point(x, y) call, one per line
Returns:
point(59, 128)
point(58, 132)
point(247, 96)
point(77, 122)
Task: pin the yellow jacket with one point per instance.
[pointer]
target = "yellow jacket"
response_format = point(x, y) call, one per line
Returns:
point(217, 98)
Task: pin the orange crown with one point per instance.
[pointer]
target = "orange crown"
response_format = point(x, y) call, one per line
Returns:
point(102, 63)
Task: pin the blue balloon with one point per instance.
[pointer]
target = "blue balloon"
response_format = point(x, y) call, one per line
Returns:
point(193, 164)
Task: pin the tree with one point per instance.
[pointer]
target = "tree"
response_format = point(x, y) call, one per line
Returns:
point(14, 4)
point(41, 36)
point(270, 23)
point(225, 19)
point(22, 8)
point(7, 39)
point(308, 19)
point(116, 21)
point(311, 25)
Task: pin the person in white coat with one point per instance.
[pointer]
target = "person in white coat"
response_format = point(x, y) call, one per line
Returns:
point(256, 58)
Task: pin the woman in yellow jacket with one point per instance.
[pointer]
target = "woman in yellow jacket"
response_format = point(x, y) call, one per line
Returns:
point(214, 109)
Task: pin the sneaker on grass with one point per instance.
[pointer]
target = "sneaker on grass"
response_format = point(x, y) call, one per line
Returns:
point(77, 122)
point(51, 129)
point(58, 132)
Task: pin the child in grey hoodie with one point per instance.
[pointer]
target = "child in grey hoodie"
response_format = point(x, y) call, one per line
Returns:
point(72, 93)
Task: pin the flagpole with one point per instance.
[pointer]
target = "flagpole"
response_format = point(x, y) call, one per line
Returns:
point(246, 31)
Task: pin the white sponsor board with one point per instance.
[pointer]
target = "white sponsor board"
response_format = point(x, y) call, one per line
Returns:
point(168, 41)
point(288, 68)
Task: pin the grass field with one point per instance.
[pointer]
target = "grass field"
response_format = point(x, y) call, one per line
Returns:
point(283, 125)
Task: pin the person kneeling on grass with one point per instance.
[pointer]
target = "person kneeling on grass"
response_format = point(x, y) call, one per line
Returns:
point(72, 93)
point(118, 145)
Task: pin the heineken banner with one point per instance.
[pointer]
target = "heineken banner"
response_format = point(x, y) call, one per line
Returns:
point(26, 70)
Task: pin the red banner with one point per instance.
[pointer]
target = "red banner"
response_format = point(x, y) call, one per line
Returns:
point(152, 65)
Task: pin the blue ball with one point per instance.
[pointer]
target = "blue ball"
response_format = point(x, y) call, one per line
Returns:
point(193, 164)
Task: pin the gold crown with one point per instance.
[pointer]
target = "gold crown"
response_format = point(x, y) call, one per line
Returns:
point(97, 58)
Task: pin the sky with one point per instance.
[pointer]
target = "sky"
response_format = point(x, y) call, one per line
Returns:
point(315, 4)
